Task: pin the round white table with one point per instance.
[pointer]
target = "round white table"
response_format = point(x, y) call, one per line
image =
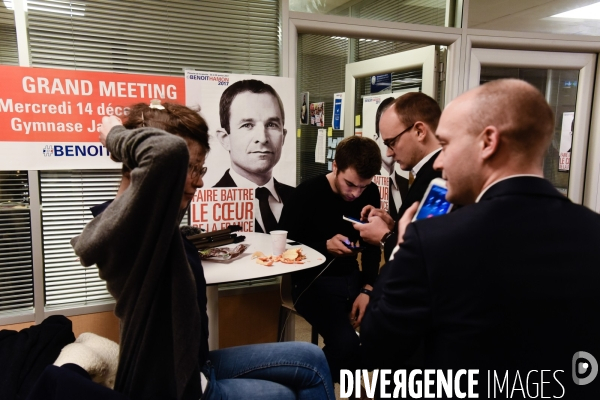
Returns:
point(243, 268)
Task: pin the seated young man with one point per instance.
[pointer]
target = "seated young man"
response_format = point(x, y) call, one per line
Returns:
point(334, 296)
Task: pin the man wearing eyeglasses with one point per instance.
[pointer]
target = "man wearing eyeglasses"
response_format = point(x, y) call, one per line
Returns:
point(407, 128)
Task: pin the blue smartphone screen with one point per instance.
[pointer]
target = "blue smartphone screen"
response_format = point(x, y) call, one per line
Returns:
point(435, 203)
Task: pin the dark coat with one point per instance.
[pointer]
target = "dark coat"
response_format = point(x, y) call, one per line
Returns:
point(510, 282)
point(415, 194)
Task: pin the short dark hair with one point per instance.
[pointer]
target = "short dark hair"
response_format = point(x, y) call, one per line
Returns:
point(360, 153)
point(382, 107)
point(416, 106)
point(248, 85)
point(175, 118)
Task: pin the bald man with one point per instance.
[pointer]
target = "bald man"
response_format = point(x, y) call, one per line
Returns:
point(509, 283)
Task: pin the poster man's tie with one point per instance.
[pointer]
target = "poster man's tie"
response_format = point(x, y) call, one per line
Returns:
point(268, 219)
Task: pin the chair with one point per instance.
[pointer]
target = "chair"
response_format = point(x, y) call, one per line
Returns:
point(287, 307)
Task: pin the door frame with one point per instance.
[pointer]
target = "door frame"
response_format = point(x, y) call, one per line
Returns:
point(424, 58)
point(585, 63)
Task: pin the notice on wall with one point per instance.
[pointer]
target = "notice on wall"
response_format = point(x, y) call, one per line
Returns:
point(321, 146)
point(317, 114)
point(249, 118)
point(49, 118)
point(566, 140)
point(338, 111)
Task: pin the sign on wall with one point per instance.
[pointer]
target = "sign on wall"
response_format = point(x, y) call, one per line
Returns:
point(566, 140)
point(49, 118)
point(252, 161)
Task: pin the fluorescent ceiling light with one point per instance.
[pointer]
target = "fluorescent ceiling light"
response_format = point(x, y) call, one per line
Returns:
point(588, 12)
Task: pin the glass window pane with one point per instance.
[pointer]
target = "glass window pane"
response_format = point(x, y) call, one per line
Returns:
point(560, 17)
point(560, 89)
point(425, 12)
point(321, 73)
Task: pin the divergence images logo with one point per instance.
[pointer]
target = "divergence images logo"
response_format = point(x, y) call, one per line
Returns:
point(48, 151)
point(584, 364)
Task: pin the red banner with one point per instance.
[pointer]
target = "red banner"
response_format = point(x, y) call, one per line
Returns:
point(50, 105)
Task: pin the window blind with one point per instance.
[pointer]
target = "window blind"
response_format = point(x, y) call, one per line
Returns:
point(426, 12)
point(321, 72)
point(66, 197)
point(9, 54)
point(16, 266)
point(156, 36)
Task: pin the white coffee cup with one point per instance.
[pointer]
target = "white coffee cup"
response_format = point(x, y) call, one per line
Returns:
point(278, 239)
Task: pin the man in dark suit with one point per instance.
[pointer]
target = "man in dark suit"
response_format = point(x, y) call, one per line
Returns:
point(507, 284)
point(407, 128)
point(252, 130)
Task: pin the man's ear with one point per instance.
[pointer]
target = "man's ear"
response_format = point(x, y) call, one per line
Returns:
point(421, 130)
point(284, 133)
point(223, 137)
point(489, 142)
point(334, 168)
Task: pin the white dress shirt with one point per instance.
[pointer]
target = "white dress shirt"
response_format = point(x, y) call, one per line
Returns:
point(274, 200)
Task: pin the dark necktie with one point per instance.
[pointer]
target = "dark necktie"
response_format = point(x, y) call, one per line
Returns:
point(393, 210)
point(268, 219)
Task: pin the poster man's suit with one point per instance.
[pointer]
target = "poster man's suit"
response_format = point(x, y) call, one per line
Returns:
point(284, 191)
point(508, 283)
point(402, 184)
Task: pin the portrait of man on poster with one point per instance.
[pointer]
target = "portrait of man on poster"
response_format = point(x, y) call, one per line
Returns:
point(252, 130)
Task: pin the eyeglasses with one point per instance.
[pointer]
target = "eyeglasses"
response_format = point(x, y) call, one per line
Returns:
point(196, 172)
point(390, 142)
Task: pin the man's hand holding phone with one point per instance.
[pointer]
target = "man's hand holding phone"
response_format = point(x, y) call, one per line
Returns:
point(338, 246)
point(372, 231)
point(370, 211)
point(378, 223)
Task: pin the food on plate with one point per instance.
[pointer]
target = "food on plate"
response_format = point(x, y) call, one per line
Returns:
point(257, 254)
point(290, 256)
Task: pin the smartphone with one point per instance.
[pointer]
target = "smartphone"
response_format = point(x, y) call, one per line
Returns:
point(353, 220)
point(434, 202)
point(355, 248)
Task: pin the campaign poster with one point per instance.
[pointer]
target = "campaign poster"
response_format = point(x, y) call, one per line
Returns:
point(338, 111)
point(49, 117)
point(252, 161)
point(373, 107)
point(317, 114)
point(304, 111)
point(566, 140)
